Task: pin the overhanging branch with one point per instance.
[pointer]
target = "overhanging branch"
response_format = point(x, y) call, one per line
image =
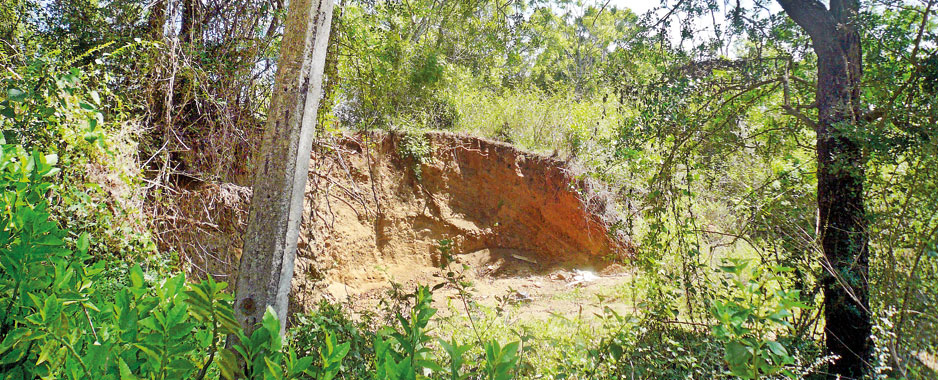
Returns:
point(813, 17)
point(787, 107)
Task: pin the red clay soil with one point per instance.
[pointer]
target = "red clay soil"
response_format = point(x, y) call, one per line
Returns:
point(371, 218)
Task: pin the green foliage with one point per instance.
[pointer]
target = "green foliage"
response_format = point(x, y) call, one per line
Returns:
point(404, 353)
point(415, 148)
point(166, 330)
point(41, 283)
point(67, 111)
point(542, 121)
point(405, 350)
point(500, 362)
point(404, 54)
point(751, 323)
point(264, 356)
point(574, 42)
point(41, 106)
point(412, 61)
point(411, 337)
point(329, 319)
point(455, 352)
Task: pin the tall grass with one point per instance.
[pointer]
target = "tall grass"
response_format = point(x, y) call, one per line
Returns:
point(535, 120)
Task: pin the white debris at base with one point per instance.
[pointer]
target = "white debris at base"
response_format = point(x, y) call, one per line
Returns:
point(581, 277)
point(516, 296)
point(522, 258)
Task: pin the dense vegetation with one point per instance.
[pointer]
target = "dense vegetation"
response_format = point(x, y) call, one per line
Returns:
point(704, 118)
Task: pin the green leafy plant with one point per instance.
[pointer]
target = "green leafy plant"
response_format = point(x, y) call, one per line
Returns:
point(42, 282)
point(455, 352)
point(264, 358)
point(44, 106)
point(55, 325)
point(411, 338)
point(750, 322)
point(406, 352)
point(48, 289)
point(416, 149)
point(331, 320)
point(500, 362)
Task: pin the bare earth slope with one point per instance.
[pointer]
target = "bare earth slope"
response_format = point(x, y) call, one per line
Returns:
point(518, 220)
point(508, 213)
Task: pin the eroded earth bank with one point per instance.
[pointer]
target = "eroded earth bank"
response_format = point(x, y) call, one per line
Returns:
point(410, 208)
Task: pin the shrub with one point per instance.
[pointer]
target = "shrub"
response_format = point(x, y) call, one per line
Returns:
point(55, 324)
point(415, 148)
point(310, 331)
point(753, 323)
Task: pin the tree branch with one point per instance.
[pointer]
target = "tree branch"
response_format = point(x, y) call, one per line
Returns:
point(879, 112)
point(800, 116)
point(813, 17)
point(792, 110)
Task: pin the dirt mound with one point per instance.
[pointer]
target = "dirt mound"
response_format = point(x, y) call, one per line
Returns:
point(379, 205)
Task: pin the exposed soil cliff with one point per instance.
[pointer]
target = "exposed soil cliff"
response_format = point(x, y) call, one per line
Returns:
point(377, 212)
point(379, 205)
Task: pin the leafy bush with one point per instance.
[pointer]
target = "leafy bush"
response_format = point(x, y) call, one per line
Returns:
point(163, 330)
point(310, 331)
point(541, 122)
point(404, 350)
point(47, 104)
point(752, 323)
point(415, 148)
point(41, 105)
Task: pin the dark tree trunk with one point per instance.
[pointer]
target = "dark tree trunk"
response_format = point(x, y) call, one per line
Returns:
point(157, 19)
point(841, 215)
point(192, 18)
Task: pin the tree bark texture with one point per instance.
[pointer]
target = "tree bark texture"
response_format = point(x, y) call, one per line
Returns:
point(157, 19)
point(282, 166)
point(842, 223)
point(192, 18)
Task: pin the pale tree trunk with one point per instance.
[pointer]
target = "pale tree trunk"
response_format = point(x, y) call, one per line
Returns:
point(842, 222)
point(282, 164)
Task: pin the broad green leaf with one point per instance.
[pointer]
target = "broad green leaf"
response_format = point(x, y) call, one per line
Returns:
point(270, 321)
point(736, 353)
point(83, 243)
point(125, 373)
point(16, 95)
point(136, 277)
point(777, 348)
point(7, 110)
point(47, 350)
point(228, 365)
